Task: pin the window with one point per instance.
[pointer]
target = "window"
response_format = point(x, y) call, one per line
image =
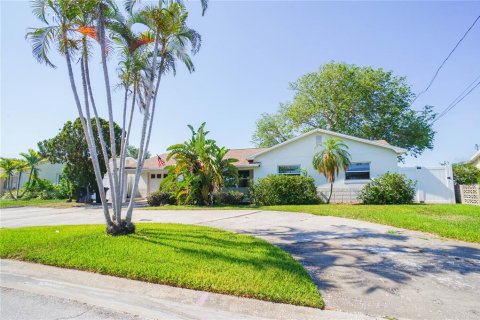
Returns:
point(358, 171)
point(243, 178)
point(318, 140)
point(289, 170)
point(152, 176)
point(159, 176)
point(165, 175)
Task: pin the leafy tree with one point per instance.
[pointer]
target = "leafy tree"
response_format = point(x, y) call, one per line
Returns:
point(200, 170)
point(331, 159)
point(359, 101)
point(69, 147)
point(133, 151)
point(466, 173)
point(273, 129)
point(73, 28)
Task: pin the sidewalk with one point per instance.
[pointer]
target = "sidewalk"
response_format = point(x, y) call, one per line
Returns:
point(147, 300)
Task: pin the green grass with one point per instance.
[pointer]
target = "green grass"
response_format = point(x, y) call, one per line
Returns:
point(8, 203)
point(455, 221)
point(193, 257)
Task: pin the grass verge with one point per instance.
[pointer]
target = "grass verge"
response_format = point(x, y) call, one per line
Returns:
point(192, 257)
point(55, 203)
point(455, 221)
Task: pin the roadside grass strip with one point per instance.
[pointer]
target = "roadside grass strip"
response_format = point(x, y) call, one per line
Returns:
point(193, 257)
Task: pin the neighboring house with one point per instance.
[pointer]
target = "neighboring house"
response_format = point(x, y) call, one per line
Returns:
point(475, 159)
point(48, 171)
point(370, 159)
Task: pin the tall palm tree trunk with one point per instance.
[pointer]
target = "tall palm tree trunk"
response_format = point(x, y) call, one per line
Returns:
point(103, 144)
point(140, 160)
point(123, 146)
point(331, 191)
point(28, 183)
point(18, 184)
point(96, 167)
point(116, 205)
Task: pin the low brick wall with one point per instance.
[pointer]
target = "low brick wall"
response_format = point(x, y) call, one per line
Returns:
point(469, 193)
point(340, 195)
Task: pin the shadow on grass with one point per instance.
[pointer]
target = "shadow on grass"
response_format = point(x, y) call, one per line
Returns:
point(197, 244)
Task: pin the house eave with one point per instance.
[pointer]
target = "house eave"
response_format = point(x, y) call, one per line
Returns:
point(397, 150)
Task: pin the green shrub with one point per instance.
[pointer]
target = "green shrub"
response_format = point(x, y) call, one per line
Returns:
point(283, 189)
point(228, 198)
point(390, 188)
point(160, 198)
point(466, 173)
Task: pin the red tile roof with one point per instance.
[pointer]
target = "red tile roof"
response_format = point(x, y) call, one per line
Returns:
point(240, 154)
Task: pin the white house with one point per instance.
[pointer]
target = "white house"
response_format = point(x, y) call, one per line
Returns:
point(370, 159)
point(475, 159)
point(49, 171)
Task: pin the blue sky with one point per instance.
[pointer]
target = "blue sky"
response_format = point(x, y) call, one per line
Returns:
point(251, 51)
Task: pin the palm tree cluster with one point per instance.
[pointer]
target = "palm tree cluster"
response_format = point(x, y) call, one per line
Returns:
point(74, 28)
point(200, 170)
point(14, 168)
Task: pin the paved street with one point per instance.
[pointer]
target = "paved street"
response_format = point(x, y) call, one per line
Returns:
point(359, 267)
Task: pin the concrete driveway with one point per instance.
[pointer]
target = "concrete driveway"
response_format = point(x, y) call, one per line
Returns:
point(358, 266)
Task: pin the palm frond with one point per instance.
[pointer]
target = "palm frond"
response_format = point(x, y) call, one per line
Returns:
point(40, 39)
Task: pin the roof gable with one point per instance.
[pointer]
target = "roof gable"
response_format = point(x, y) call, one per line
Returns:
point(378, 143)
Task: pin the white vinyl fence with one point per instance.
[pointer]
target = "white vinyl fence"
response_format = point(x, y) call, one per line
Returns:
point(434, 184)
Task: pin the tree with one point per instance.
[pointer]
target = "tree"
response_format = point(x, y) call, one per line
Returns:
point(11, 167)
point(132, 151)
point(32, 160)
point(73, 28)
point(69, 147)
point(359, 101)
point(331, 159)
point(201, 168)
point(466, 173)
point(16, 167)
point(273, 129)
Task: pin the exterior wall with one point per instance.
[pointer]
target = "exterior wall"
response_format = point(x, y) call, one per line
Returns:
point(301, 153)
point(434, 184)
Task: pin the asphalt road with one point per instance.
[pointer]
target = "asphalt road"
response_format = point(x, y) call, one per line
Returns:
point(359, 267)
point(23, 305)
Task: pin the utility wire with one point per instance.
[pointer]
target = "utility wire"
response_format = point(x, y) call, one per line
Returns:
point(469, 89)
point(444, 61)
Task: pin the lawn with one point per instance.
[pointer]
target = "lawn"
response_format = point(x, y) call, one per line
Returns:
point(192, 257)
point(456, 221)
point(8, 203)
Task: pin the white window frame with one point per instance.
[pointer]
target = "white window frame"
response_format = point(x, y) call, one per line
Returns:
point(290, 165)
point(359, 180)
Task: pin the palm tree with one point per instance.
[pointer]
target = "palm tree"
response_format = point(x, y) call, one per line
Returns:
point(70, 28)
point(32, 159)
point(171, 37)
point(9, 169)
point(331, 159)
point(202, 165)
point(61, 31)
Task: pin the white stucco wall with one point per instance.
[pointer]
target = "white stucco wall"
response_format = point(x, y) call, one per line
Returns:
point(48, 171)
point(301, 152)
